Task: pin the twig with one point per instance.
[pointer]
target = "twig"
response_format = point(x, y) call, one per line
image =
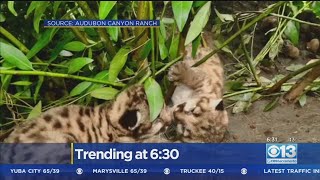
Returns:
point(252, 42)
point(248, 58)
point(285, 17)
point(278, 85)
point(48, 64)
point(243, 92)
point(280, 30)
point(298, 89)
point(148, 74)
point(13, 39)
point(60, 75)
point(153, 40)
point(261, 16)
point(16, 42)
point(103, 34)
point(163, 10)
point(257, 89)
point(76, 31)
point(168, 65)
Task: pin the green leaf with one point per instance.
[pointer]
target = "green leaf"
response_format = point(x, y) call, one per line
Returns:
point(240, 106)
point(90, 52)
point(5, 80)
point(7, 66)
point(145, 50)
point(247, 96)
point(294, 67)
point(233, 85)
point(39, 84)
point(174, 47)
point(195, 45)
point(163, 30)
point(32, 7)
point(292, 33)
point(40, 9)
point(163, 49)
point(11, 8)
point(36, 111)
point(155, 97)
point(75, 46)
point(181, 10)
point(295, 6)
point(225, 49)
point(275, 49)
point(44, 40)
point(106, 93)
point(103, 75)
point(78, 63)
point(271, 105)
point(198, 23)
point(60, 45)
point(105, 7)
point(199, 3)
point(161, 40)
point(224, 17)
point(303, 100)
point(22, 83)
point(285, 88)
point(2, 98)
point(117, 63)
point(113, 31)
point(128, 71)
point(277, 78)
point(2, 17)
point(56, 5)
point(315, 6)
point(166, 20)
point(80, 88)
point(15, 57)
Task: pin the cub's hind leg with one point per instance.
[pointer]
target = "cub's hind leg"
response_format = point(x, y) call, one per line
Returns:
point(182, 72)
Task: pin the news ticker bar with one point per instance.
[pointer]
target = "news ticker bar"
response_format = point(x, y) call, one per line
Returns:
point(101, 23)
point(154, 169)
point(160, 153)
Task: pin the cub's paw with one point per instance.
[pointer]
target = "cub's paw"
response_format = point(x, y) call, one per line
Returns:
point(196, 106)
point(166, 115)
point(177, 71)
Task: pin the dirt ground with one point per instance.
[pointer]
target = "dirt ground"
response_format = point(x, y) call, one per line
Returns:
point(285, 123)
point(282, 123)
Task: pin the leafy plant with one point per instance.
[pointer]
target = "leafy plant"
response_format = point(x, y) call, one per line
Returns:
point(94, 63)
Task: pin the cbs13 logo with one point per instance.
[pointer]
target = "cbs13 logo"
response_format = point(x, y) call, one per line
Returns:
point(281, 150)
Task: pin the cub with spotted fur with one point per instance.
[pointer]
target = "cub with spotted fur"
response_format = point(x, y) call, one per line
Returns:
point(123, 120)
point(197, 100)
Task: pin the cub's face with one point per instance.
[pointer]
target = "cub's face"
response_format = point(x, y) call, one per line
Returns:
point(132, 111)
point(206, 126)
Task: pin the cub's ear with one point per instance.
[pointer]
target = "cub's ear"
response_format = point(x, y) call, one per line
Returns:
point(217, 104)
point(220, 106)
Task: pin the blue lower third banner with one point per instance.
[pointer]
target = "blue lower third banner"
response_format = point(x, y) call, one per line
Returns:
point(125, 161)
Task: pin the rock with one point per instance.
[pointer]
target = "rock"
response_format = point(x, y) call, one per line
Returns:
point(290, 50)
point(313, 45)
point(269, 23)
